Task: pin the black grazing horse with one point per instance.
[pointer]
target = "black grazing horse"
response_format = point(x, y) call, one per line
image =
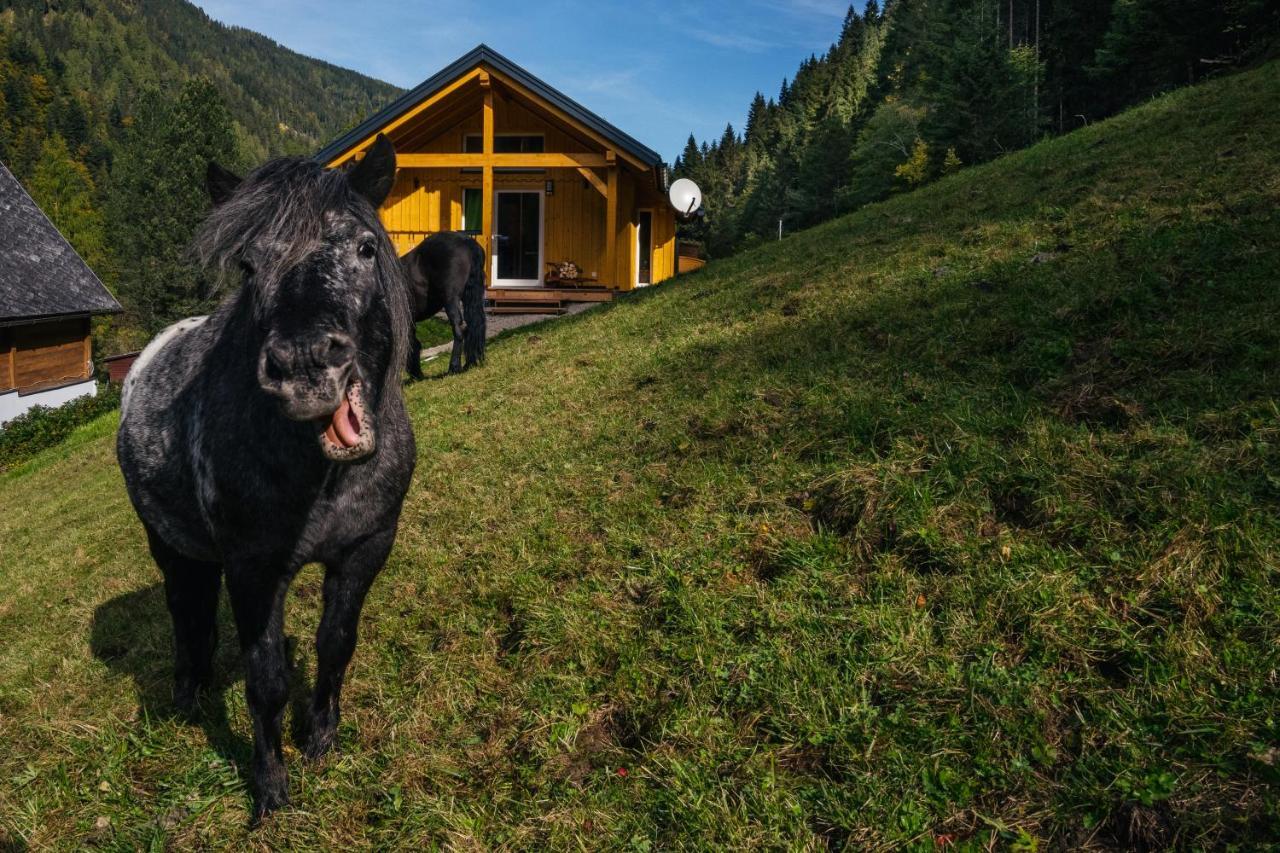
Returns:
point(446, 270)
point(272, 433)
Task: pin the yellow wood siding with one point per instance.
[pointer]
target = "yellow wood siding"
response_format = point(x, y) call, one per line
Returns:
point(624, 276)
point(425, 200)
point(664, 234)
point(574, 227)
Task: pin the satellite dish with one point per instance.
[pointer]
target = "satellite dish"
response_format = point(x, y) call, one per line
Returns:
point(685, 196)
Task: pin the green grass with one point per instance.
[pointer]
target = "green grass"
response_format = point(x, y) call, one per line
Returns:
point(955, 518)
point(433, 331)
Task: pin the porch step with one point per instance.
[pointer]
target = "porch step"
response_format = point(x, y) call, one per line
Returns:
point(548, 294)
point(532, 308)
point(523, 295)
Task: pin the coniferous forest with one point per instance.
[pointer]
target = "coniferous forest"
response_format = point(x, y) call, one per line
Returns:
point(110, 110)
point(922, 88)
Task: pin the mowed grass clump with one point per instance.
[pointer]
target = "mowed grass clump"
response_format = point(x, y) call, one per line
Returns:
point(952, 522)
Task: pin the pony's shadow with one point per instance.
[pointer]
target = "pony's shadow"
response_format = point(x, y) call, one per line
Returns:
point(133, 635)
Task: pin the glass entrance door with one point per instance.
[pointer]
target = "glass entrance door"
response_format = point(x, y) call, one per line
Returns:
point(517, 229)
point(644, 248)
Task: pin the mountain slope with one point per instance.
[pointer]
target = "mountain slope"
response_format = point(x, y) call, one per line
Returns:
point(115, 49)
point(954, 521)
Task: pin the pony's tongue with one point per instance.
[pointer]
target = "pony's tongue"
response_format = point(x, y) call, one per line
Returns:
point(344, 428)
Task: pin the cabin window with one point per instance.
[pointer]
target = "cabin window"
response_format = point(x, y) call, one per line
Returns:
point(472, 208)
point(506, 143)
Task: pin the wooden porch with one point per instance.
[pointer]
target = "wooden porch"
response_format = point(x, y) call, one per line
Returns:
point(541, 300)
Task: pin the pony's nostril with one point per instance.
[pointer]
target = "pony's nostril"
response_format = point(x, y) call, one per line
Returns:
point(276, 361)
point(335, 349)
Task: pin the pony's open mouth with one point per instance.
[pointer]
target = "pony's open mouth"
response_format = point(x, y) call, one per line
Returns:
point(348, 434)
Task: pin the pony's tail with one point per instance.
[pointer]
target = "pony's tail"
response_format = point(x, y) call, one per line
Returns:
point(473, 308)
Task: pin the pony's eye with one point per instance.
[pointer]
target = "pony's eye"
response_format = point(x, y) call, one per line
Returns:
point(367, 250)
point(246, 268)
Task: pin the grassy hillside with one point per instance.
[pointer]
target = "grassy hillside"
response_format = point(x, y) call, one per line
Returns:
point(955, 520)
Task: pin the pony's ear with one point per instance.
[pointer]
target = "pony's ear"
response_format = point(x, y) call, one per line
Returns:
point(373, 176)
point(220, 183)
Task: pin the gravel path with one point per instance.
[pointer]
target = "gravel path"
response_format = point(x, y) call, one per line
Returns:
point(499, 323)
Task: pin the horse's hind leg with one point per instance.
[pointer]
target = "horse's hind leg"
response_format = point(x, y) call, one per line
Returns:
point(453, 310)
point(191, 591)
point(346, 583)
point(415, 354)
point(257, 598)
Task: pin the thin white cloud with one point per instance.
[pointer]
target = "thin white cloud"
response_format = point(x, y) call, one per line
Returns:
point(608, 81)
point(729, 40)
point(825, 8)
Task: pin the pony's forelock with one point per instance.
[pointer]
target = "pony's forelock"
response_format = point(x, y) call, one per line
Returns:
point(283, 204)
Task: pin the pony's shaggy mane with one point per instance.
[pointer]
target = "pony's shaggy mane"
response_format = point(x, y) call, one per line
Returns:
point(283, 205)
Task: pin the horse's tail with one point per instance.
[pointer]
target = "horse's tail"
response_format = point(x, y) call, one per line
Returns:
point(473, 307)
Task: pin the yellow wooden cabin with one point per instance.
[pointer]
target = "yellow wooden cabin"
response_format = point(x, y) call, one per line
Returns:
point(486, 147)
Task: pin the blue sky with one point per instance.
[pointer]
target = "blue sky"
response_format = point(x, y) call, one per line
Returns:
point(656, 69)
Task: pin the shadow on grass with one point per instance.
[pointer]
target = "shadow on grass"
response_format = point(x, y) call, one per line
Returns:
point(132, 634)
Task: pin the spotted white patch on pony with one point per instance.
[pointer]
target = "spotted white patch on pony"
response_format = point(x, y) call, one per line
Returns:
point(149, 352)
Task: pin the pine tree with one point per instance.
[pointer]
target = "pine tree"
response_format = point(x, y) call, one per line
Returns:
point(755, 115)
point(690, 161)
point(852, 29)
point(159, 198)
point(71, 122)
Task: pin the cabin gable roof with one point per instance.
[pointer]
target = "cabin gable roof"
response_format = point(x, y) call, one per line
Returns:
point(41, 276)
point(484, 55)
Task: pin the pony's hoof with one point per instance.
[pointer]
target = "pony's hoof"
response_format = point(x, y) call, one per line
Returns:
point(185, 700)
point(267, 802)
point(318, 748)
point(319, 744)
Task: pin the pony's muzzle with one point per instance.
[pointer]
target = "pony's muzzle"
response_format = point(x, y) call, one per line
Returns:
point(308, 374)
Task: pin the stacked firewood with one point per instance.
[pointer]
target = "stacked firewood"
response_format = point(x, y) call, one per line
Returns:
point(565, 271)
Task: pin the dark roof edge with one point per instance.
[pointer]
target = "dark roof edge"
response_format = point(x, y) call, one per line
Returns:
point(484, 53)
point(31, 319)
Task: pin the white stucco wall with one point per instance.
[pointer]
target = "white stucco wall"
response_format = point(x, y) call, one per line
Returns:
point(12, 404)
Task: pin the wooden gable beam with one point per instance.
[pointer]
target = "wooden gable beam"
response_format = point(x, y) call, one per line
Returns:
point(486, 184)
point(408, 115)
point(611, 222)
point(565, 118)
point(500, 161)
point(594, 180)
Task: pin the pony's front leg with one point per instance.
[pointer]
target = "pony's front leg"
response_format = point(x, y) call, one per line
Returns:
point(346, 583)
point(257, 598)
point(191, 591)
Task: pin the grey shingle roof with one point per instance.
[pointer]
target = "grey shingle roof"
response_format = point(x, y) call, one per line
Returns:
point(484, 53)
point(40, 274)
